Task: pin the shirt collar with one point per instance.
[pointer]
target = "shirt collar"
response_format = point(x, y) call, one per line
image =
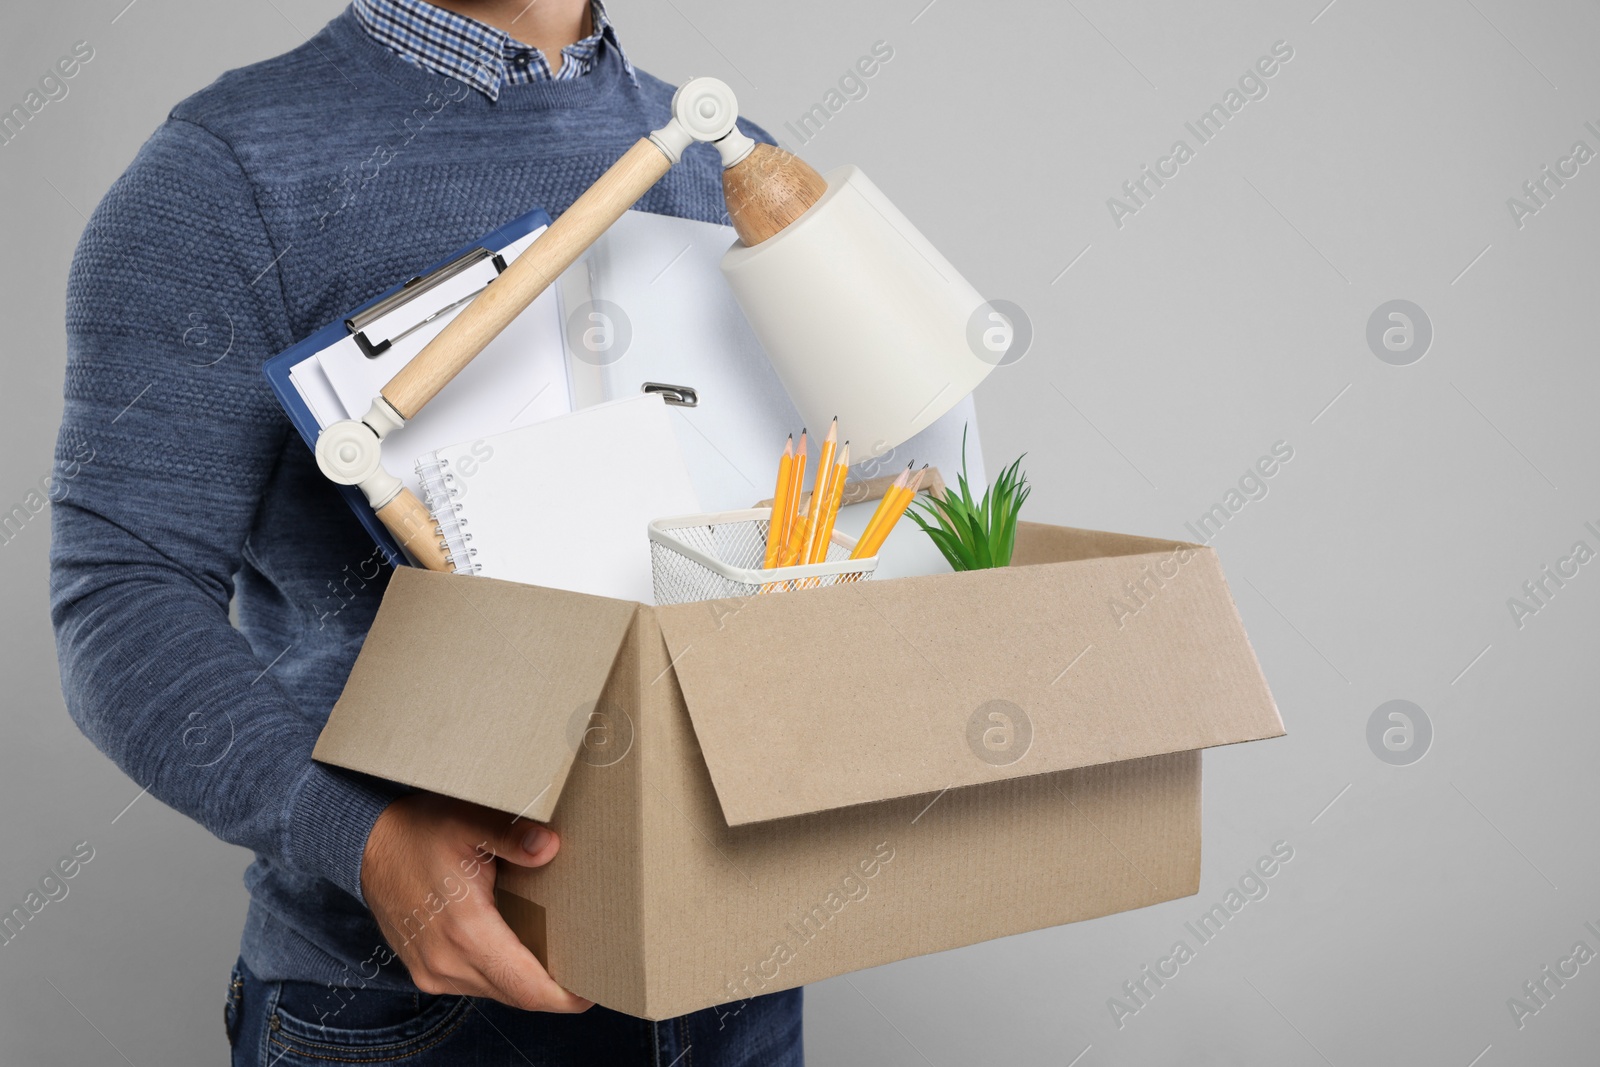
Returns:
point(478, 54)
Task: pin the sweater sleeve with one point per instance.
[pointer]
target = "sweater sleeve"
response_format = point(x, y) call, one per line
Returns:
point(168, 437)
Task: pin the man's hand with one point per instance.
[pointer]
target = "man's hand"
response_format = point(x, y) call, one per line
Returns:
point(428, 875)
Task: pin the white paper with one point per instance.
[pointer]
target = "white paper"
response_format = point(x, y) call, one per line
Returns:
point(518, 379)
point(312, 385)
point(566, 503)
point(687, 329)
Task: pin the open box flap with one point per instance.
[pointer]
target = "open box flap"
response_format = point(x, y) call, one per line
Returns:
point(476, 688)
point(808, 701)
point(1040, 542)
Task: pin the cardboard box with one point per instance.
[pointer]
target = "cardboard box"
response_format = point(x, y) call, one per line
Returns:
point(979, 755)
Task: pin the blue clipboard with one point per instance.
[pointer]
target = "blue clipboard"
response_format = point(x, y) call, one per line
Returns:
point(278, 367)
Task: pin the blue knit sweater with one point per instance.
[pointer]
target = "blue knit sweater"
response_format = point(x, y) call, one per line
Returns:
point(266, 206)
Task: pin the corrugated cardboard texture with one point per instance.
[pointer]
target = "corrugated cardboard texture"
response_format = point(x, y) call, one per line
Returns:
point(783, 825)
point(967, 866)
point(715, 903)
point(980, 863)
point(590, 928)
point(471, 686)
point(857, 693)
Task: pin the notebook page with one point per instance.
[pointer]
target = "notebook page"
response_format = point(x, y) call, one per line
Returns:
point(565, 503)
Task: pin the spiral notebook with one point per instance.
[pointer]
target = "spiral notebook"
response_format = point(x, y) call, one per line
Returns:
point(564, 503)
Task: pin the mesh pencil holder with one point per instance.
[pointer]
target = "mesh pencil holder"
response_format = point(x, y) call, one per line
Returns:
point(708, 557)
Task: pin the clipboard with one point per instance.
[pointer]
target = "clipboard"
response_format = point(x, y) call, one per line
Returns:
point(378, 325)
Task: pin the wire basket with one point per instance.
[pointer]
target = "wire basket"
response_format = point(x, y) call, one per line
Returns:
point(709, 557)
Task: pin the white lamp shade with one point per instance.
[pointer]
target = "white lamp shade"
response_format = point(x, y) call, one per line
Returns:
point(861, 316)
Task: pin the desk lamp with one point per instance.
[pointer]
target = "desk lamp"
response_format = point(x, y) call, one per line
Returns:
point(861, 317)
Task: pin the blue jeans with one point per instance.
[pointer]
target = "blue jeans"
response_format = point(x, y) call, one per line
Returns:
point(293, 1024)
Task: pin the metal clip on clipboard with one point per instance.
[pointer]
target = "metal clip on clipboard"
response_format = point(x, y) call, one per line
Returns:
point(375, 332)
point(683, 396)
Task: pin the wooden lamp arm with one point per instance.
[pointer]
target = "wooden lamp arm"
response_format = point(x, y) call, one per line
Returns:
point(349, 451)
point(765, 187)
point(412, 525)
point(530, 274)
point(419, 381)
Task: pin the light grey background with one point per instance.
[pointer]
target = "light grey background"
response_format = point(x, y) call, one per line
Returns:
point(1226, 315)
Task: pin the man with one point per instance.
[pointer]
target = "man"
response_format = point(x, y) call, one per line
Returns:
point(267, 205)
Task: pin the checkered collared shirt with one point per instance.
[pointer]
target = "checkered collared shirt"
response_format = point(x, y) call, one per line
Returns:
point(484, 57)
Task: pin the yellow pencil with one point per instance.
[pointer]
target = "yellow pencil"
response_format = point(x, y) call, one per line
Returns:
point(897, 504)
point(888, 494)
point(792, 526)
point(780, 506)
point(830, 513)
point(795, 544)
point(797, 481)
point(819, 491)
point(898, 509)
point(794, 553)
point(916, 479)
point(884, 504)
